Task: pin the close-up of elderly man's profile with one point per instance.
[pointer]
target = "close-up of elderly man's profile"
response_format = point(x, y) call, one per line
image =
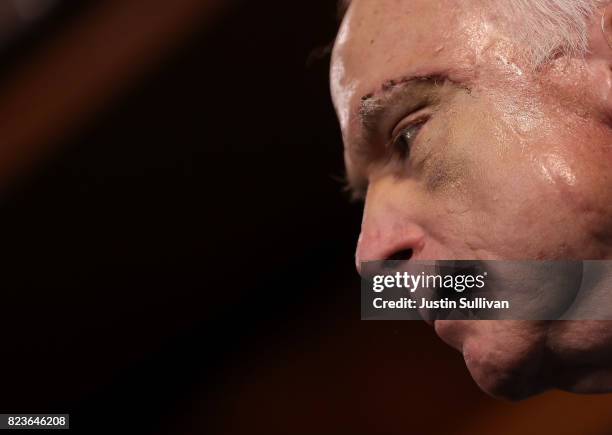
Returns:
point(364, 216)
point(478, 134)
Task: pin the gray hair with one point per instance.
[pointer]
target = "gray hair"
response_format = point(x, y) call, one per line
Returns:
point(549, 27)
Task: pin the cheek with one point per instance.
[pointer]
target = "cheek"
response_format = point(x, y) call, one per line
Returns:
point(589, 197)
point(571, 192)
point(524, 207)
point(498, 191)
point(495, 190)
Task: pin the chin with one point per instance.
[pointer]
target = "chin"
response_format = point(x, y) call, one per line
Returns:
point(506, 359)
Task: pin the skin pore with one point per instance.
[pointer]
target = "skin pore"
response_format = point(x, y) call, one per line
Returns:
point(463, 150)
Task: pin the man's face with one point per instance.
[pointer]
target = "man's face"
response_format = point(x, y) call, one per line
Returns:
point(462, 151)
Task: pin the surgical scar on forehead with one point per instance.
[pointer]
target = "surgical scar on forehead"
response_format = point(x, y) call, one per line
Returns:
point(373, 102)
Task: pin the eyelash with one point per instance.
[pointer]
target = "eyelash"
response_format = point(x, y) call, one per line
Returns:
point(403, 141)
point(397, 149)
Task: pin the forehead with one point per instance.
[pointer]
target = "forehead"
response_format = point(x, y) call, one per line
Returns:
point(382, 40)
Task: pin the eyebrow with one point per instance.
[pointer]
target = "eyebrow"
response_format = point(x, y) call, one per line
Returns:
point(410, 90)
point(395, 98)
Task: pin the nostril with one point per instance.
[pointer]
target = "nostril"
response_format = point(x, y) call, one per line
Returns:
point(403, 255)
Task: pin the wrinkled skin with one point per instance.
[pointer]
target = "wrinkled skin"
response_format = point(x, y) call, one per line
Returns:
point(510, 162)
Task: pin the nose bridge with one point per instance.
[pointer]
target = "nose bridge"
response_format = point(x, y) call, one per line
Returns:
point(386, 229)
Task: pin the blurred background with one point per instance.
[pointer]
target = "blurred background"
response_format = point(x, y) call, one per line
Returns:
point(177, 250)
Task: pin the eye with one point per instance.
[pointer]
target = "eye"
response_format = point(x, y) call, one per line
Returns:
point(405, 138)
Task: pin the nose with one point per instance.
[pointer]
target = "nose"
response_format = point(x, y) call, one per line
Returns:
point(388, 237)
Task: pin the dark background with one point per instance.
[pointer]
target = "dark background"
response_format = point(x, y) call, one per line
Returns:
point(177, 250)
